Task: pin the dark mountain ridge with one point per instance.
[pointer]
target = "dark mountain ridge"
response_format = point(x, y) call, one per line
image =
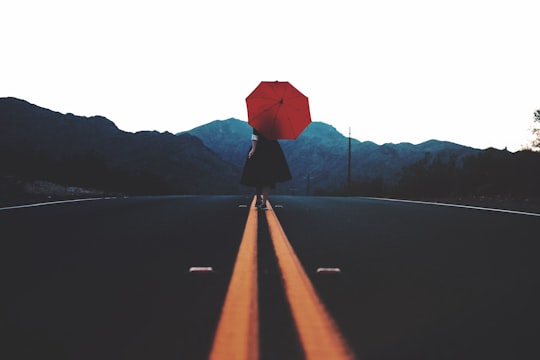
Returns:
point(40, 143)
point(318, 158)
point(91, 152)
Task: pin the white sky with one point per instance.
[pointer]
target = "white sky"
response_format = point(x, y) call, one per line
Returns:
point(466, 71)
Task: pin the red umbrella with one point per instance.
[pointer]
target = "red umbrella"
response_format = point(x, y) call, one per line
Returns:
point(278, 110)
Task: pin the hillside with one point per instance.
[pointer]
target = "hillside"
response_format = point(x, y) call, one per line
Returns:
point(45, 153)
point(38, 143)
point(318, 158)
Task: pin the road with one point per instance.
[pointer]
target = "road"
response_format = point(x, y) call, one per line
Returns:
point(110, 279)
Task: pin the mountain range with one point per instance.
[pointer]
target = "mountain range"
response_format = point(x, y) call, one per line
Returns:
point(318, 159)
point(38, 143)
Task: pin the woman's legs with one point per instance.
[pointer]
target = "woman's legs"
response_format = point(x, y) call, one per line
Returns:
point(264, 195)
point(258, 193)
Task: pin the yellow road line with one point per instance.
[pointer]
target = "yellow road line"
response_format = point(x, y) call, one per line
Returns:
point(237, 334)
point(319, 335)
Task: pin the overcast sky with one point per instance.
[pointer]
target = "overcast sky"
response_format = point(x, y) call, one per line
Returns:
point(465, 71)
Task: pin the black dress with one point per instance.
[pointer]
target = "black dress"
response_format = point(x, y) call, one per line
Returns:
point(267, 166)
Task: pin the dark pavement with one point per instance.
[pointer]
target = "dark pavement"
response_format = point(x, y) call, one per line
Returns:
point(109, 279)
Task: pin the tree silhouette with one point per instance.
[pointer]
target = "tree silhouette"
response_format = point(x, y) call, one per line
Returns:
point(536, 130)
point(432, 176)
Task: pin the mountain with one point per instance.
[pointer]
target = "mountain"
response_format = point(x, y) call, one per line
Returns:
point(39, 143)
point(318, 158)
point(92, 153)
point(230, 139)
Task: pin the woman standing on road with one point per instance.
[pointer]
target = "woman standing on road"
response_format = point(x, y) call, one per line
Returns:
point(264, 167)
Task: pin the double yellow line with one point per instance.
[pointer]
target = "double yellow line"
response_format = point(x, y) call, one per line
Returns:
point(237, 334)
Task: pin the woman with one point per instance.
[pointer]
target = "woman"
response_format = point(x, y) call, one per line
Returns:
point(265, 166)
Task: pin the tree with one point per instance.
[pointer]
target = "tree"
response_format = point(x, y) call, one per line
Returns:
point(536, 131)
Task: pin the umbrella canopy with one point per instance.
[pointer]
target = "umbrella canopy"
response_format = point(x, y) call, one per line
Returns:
point(278, 110)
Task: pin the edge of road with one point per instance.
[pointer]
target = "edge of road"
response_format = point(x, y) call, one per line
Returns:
point(54, 203)
point(457, 206)
point(515, 212)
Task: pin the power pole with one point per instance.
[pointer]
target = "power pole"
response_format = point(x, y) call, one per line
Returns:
point(349, 182)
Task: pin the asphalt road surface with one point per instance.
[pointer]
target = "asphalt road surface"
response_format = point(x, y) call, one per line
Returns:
point(110, 279)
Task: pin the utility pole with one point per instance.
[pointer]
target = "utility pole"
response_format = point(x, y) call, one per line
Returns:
point(349, 164)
